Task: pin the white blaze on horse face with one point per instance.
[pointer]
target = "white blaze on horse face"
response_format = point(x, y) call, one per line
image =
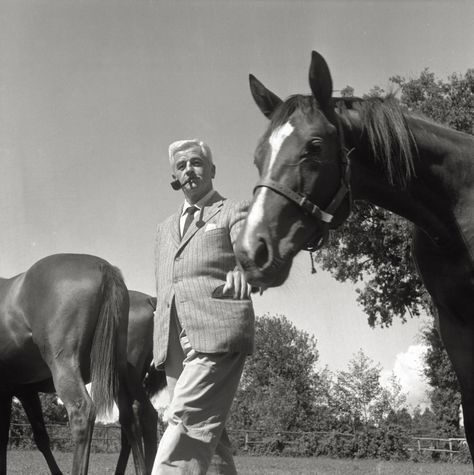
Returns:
point(255, 217)
point(276, 141)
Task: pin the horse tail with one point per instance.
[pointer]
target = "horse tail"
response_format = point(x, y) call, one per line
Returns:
point(104, 353)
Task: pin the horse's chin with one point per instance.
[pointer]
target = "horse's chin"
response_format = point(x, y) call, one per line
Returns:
point(272, 276)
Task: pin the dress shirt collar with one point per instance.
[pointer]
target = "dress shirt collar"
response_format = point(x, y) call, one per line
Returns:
point(199, 205)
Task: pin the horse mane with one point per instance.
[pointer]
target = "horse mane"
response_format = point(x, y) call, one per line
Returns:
point(306, 103)
point(390, 140)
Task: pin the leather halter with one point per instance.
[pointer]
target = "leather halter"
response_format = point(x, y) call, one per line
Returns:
point(324, 216)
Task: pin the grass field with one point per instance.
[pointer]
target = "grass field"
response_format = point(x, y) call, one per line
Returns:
point(31, 462)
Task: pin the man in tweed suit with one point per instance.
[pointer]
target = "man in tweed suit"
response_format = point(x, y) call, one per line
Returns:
point(204, 320)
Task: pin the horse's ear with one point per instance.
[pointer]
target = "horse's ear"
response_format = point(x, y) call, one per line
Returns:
point(320, 80)
point(266, 100)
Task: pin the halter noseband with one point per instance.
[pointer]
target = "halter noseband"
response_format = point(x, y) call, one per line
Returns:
point(325, 216)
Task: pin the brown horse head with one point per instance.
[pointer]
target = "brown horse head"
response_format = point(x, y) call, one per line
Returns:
point(303, 187)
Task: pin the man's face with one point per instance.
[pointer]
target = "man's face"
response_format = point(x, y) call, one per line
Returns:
point(189, 164)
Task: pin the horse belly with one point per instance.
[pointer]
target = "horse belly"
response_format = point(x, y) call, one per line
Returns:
point(20, 358)
point(22, 363)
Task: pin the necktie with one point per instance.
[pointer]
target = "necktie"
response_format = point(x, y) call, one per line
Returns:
point(189, 219)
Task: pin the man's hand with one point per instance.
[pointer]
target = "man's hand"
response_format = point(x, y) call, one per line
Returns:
point(236, 285)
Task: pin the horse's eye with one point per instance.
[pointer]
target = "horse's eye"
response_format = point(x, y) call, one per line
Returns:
point(313, 147)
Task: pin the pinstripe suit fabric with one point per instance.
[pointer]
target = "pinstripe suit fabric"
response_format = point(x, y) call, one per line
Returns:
point(189, 269)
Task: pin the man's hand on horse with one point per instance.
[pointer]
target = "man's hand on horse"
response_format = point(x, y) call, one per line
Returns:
point(236, 285)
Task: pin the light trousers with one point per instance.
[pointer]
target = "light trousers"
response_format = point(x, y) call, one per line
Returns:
point(202, 387)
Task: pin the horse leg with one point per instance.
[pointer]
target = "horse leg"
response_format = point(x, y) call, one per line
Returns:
point(129, 408)
point(81, 412)
point(32, 406)
point(149, 423)
point(458, 338)
point(5, 416)
point(125, 448)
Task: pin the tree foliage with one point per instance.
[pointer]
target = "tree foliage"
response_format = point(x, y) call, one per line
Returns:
point(359, 397)
point(357, 389)
point(392, 405)
point(449, 102)
point(424, 423)
point(279, 383)
point(445, 394)
point(372, 249)
point(298, 409)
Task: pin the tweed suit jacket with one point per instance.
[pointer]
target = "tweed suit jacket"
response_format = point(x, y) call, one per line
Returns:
point(189, 269)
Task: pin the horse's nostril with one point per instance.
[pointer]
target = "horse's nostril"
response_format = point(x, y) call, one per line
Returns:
point(261, 254)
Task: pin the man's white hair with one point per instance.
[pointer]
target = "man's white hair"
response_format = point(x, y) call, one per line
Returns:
point(181, 145)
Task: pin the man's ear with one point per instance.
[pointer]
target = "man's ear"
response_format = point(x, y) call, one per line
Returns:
point(213, 171)
point(173, 176)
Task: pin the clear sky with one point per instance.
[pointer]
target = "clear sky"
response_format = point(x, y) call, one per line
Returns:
point(92, 93)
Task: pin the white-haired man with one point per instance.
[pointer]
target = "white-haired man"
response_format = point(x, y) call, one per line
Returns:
point(204, 319)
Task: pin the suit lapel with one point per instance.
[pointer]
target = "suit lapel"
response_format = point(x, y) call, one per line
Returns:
point(175, 227)
point(202, 217)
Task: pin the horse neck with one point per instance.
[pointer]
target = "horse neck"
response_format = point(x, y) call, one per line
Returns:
point(427, 199)
point(4, 284)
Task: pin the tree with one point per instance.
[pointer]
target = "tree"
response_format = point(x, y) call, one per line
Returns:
point(376, 91)
point(450, 103)
point(279, 383)
point(360, 397)
point(424, 422)
point(445, 393)
point(372, 249)
point(347, 91)
point(391, 406)
point(356, 390)
point(401, 418)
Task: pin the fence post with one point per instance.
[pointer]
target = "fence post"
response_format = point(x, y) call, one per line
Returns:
point(246, 443)
point(450, 450)
point(419, 445)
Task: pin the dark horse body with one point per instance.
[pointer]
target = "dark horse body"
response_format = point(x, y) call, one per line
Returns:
point(65, 320)
point(139, 353)
point(320, 152)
